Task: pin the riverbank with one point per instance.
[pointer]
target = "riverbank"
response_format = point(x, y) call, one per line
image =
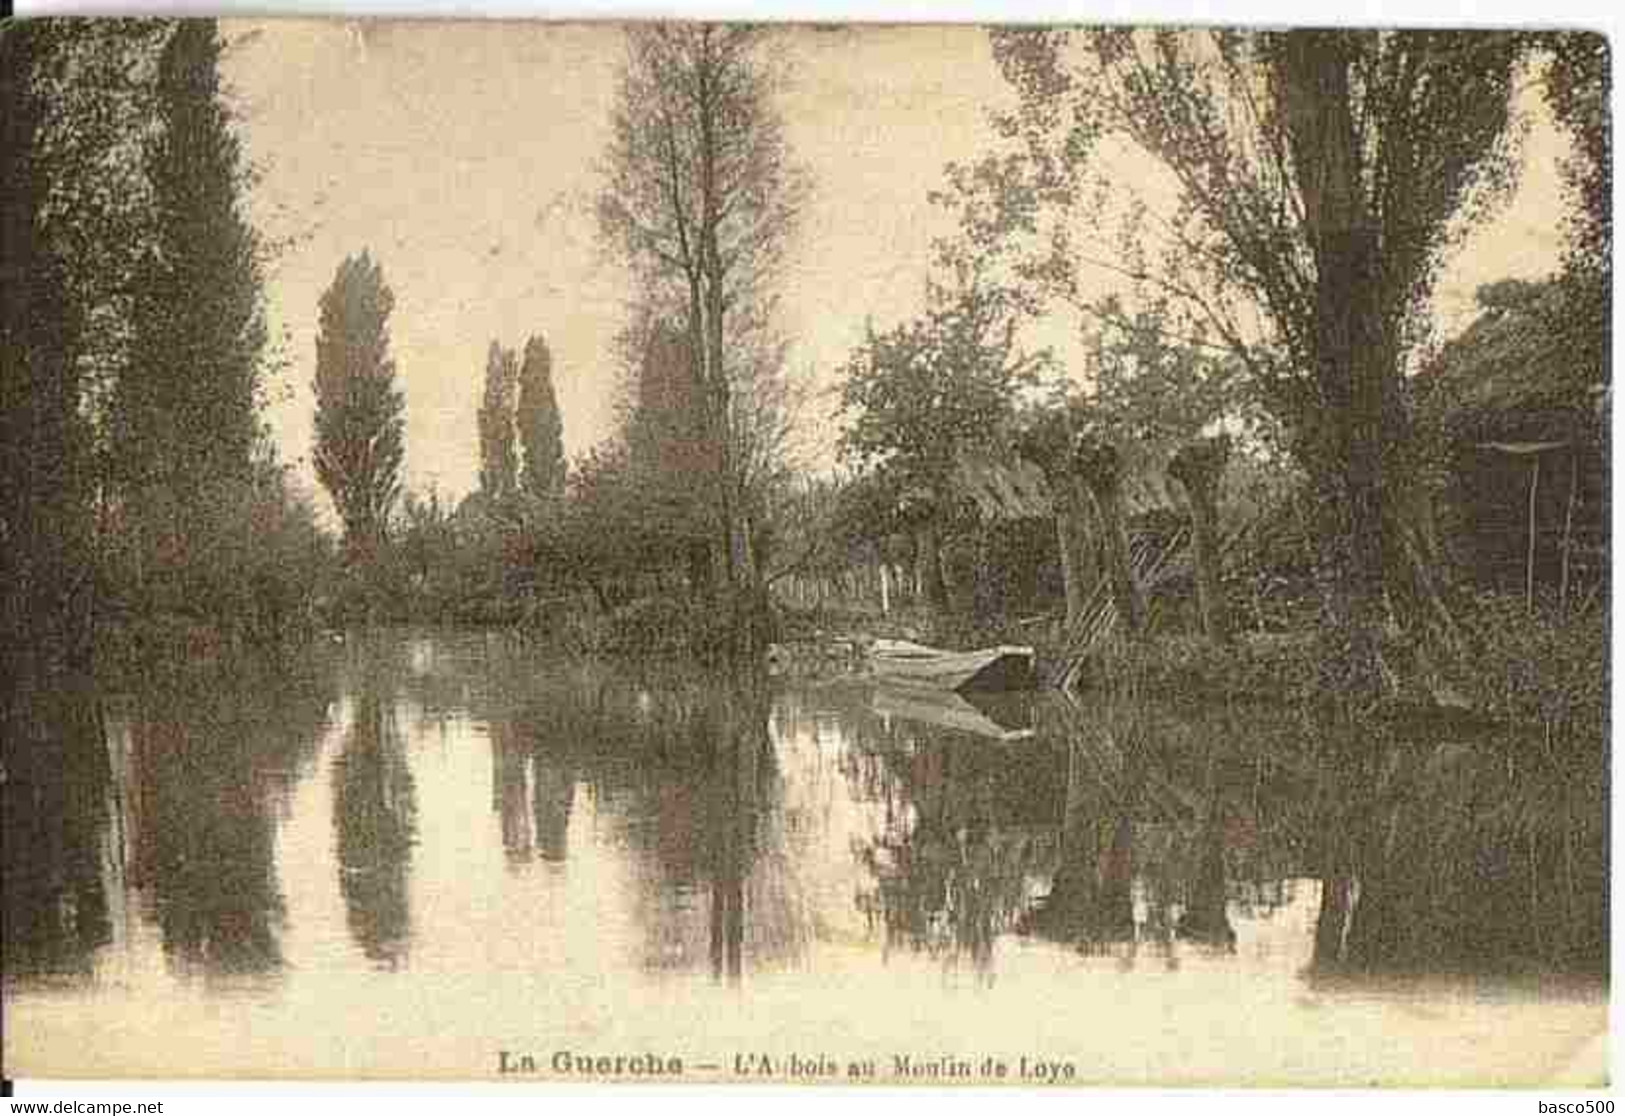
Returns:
point(1515, 662)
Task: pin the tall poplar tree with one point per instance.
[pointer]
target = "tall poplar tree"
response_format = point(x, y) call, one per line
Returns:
point(185, 407)
point(499, 462)
point(359, 410)
point(541, 427)
point(182, 421)
point(701, 197)
point(74, 93)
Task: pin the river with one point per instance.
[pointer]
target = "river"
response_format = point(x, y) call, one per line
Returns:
point(446, 855)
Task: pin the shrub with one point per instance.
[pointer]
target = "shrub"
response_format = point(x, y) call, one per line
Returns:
point(1542, 666)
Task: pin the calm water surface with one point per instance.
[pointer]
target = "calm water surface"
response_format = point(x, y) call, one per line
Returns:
point(413, 852)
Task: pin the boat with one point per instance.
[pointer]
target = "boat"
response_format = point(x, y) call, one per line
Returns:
point(976, 713)
point(991, 668)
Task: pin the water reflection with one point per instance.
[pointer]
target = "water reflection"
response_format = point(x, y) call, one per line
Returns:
point(460, 809)
point(1106, 830)
point(60, 873)
point(553, 794)
point(681, 773)
point(710, 794)
point(375, 827)
point(1463, 847)
point(1206, 917)
point(212, 756)
point(534, 773)
point(204, 851)
point(510, 773)
point(966, 826)
point(165, 809)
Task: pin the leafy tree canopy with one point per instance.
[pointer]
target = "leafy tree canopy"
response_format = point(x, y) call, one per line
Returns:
point(541, 427)
point(360, 428)
point(914, 396)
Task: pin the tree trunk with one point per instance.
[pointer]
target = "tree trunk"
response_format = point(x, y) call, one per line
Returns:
point(1198, 468)
point(1101, 469)
point(989, 590)
point(1080, 569)
point(745, 606)
point(1049, 446)
point(929, 556)
point(1356, 366)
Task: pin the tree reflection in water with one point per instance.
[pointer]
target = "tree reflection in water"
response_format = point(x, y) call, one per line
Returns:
point(167, 805)
point(510, 777)
point(966, 825)
point(552, 800)
point(1206, 917)
point(1447, 846)
point(375, 819)
point(1439, 848)
point(683, 771)
point(214, 752)
point(730, 828)
point(716, 800)
point(59, 867)
point(534, 766)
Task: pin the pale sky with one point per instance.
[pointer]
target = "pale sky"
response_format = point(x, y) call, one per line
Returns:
point(464, 157)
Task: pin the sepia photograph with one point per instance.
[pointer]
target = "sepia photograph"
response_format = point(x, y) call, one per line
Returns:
point(821, 554)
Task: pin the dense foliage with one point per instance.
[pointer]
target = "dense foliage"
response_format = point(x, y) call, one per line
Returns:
point(140, 485)
point(499, 455)
point(540, 426)
point(359, 426)
point(700, 197)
